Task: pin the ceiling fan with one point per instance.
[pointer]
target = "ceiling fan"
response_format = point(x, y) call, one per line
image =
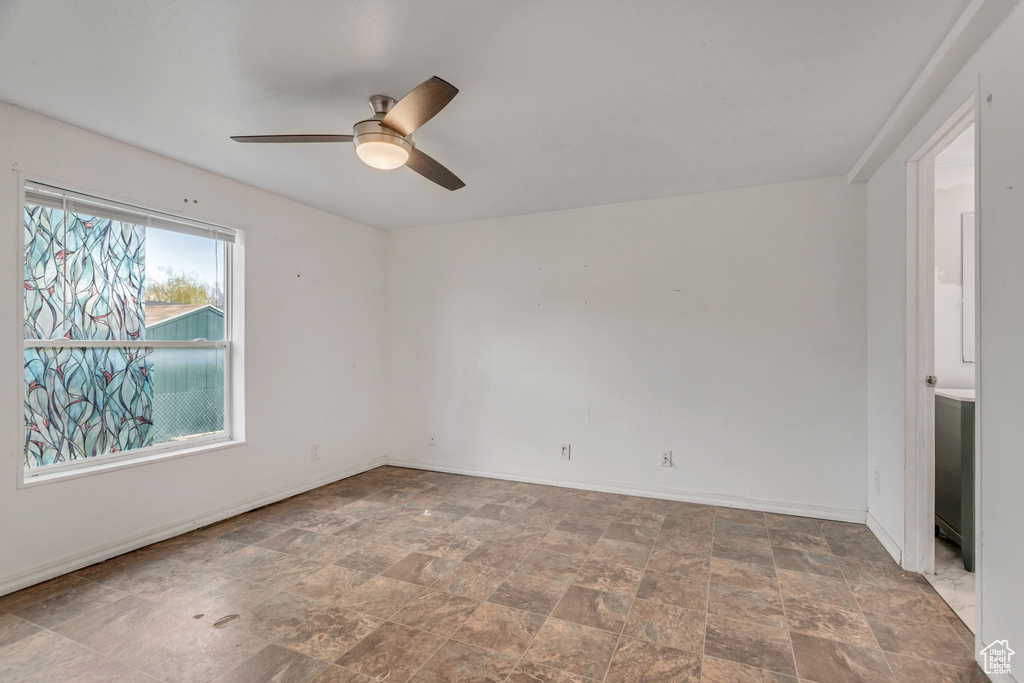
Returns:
point(384, 140)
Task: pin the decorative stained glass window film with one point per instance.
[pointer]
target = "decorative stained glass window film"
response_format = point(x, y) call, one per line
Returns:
point(84, 277)
point(80, 403)
point(84, 281)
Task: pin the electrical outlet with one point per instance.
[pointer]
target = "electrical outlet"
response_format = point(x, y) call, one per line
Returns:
point(666, 458)
point(433, 439)
point(878, 483)
point(314, 452)
point(565, 451)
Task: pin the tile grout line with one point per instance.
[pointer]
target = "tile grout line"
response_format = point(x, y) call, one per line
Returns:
point(707, 603)
point(643, 573)
point(775, 568)
point(871, 628)
point(849, 586)
point(782, 598)
point(86, 647)
point(569, 584)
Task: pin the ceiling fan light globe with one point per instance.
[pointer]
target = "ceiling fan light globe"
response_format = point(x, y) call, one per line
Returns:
point(381, 154)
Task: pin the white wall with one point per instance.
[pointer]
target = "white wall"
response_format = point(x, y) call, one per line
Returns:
point(727, 327)
point(1001, 316)
point(954, 196)
point(330, 392)
point(1001, 402)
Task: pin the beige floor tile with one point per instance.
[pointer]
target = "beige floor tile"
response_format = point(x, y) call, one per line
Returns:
point(568, 543)
point(458, 662)
point(13, 629)
point(76, 600)
point(597, 609)
point(816, 588)
point(420, 568)
point(828, 661)
point(823, 564)
point(633, 555)
point(329, 634)
point(529, 593)
point(275, 663)
point(829, 621)
point(471, 580)
point(329, 584)
point(528, 672)
point(716, 670)
point(762, 647)
point(437, 612)
point(746, 604)
point(570, 647)
point(278, 616)
point(394, 651)
point(744, 574)
point(336, 674)
point(35, 654)
point(381, 596)
point(498, 555)
point(372, 558)
point(666, 625)
point(500, 628)
point(550, 565)
point(603, 575)
point(670, 589)
point(658, 664)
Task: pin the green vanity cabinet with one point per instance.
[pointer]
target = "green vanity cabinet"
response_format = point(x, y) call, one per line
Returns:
point(954, 468)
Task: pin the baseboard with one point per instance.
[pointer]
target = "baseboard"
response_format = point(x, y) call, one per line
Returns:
point(890, 545)
point(761, 505)
point(106, 551)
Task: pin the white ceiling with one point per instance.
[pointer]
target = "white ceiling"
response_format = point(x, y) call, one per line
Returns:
point(563, 103)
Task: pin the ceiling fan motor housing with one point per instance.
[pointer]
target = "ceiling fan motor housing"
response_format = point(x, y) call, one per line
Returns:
point(372, 131)
point(379, 146)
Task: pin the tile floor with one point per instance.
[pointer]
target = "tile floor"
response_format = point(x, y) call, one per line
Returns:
point(955, 584)
point(406, 575)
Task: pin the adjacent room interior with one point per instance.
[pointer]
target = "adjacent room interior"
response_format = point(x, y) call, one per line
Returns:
point(543, 341)
point(954, 361)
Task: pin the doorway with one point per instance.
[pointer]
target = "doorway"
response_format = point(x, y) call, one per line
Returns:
point(954, 331)
point(941, 362)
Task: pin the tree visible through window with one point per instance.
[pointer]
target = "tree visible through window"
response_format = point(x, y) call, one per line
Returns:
point(125, 334)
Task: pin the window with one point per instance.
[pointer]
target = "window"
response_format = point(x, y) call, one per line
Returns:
point(127, 331)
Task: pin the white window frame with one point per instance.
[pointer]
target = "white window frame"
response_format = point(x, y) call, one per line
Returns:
point(151, 218)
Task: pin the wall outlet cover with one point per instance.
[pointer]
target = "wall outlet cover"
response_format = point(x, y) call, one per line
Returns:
point(565, 451)
point(314, 452)
point(666, 458)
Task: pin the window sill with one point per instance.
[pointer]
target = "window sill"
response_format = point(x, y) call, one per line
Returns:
point(29, 481)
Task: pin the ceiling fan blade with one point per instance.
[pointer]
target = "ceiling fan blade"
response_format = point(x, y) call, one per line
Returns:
point(433, 171)
point(292, 138)
point(420, 105)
